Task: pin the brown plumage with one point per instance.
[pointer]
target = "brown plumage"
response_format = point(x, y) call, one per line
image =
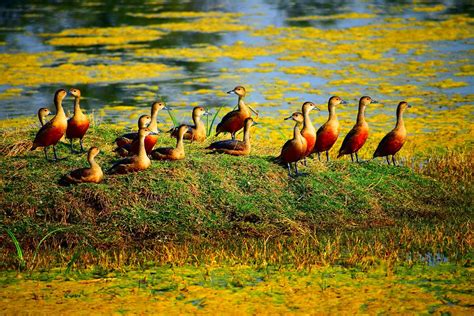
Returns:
point(196, 132)
point(233, 121)
point(308, 131)
point(42, 113)
point(358, 135)
point(78, 124)
point(135, 163)
point(393, 141)
point(294, 149)
point(235, 147)
point(151, 139)
point(170, 153)
point(327, 134)
point(93, 174)
point(51, 132)
point(127, 139)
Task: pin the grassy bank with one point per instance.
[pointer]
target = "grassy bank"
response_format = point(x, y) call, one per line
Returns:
point(218, 207)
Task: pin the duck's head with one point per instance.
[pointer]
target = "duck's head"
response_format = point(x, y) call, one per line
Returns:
point(43, 112)
point(182, 129)
point(239, 90)
point(143, 132)
point(143, 121)
point(93, 151)
point(402, 106)
point(60, 94)
point(335, 100)
point(75, 92)
point(308, 106)
point(157, 106)
point(296, 116)
point(249, 122)
point(199, 111)
point(366, 100)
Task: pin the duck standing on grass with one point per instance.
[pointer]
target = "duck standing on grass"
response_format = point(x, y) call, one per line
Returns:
point(233, 121)
point(308, 131)
point(294, 149)
point(93, 174)
point(358, 135)
point(51, 132)
point(135, 163)
point(78, 124)
point(327, 134)
point(170, 153)
point(42, 113)
point(393, 141)
point(235, 147)
point(196, 132)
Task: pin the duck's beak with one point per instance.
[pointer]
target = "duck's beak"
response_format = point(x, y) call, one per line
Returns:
point(206, 113)
point(374, 101)
point(167, 107)
point(409, 105)
point(343, 102)
point(288, 118)
point(255, 123)
point(317, 108)
point(231, 92)
point(153, 133)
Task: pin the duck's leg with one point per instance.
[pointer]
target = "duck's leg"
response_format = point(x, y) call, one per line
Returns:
point(388, 160)
point(393, 160)
point(82, 146)
point(55, 155)
point(296, 169)
point(233, 135)
point(352, 157)
point(46, 152)
point(304, 162)
point(319, 156)
point(289, 169)
point(327, 155)
point(357, 156)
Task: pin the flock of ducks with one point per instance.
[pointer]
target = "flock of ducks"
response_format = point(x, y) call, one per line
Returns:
point(138, 147)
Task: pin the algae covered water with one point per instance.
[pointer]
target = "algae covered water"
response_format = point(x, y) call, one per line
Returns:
point(123, 56)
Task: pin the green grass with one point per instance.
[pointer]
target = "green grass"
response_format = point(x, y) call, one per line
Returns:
point(220, 202)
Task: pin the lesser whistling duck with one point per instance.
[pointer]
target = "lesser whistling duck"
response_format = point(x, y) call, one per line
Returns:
point(234, 120)
point(393, 141)
point(196, 132)
point(327, 134)
point(42, 113)
point(93, 174)
point(51, 132)
point(127, 139)
point(170, 153)
point(152, 138)
point(308, 131)
point(135, 163)
point(78, 124)
point(357, 136)
point(294, 149)
point(235, 147)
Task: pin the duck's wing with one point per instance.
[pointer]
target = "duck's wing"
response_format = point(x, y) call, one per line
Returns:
point(163, 151)
point(388, 141)
point(231, 144)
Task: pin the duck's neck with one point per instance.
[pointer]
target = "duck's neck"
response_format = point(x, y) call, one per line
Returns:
point(93, 163)
point(197, 121)
point(361, 115)
point(77, 107)
point(332, 113)
point(180, 142)
point(41, 119)
point(58, 103)
point(296, 133)
point(307, 121)
point(400, 123)
point(247, 134)
point(241, 104)
point(141, 147)
point(153, 126)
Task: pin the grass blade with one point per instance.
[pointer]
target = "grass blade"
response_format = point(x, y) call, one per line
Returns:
point(74, 258)
point(209, 130)
point(42, 240)
point(173, 118)
point(19, 252)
